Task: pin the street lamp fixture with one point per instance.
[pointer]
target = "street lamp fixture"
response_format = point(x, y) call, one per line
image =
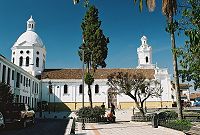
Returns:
point(54, 108)
point(82, 49)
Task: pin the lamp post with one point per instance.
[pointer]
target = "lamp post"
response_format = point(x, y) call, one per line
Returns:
point(160, 95)
point(83, 123)
point(54, 108)
point(40, 99)
point(50, 91)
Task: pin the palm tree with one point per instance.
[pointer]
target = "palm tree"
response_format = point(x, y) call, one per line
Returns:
point(169, 8)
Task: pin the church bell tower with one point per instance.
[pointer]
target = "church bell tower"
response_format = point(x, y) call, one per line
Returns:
point(144, 55)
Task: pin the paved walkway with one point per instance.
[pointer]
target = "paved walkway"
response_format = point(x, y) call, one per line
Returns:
point(123, 126)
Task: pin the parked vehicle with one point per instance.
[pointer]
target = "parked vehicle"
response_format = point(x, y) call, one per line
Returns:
point(20, 113)
point(2, 125)
point(197, 101)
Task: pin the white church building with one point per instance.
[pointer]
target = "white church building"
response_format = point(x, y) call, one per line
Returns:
point(29, 57)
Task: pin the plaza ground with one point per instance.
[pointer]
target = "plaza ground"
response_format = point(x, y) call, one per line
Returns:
point(123, 126)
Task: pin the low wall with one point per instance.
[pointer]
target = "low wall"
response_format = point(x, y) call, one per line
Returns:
point(149, 104)
point(122, 105)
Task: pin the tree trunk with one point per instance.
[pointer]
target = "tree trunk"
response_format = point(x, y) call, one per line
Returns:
point(176, 76)
point(140, 107)
point(90, 95)
point(89, 86)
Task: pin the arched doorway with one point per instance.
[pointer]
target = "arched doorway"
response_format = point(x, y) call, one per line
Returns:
point(112, 97)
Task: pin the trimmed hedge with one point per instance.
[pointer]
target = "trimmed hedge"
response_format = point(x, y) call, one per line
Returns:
point(88, 112)
point(169, 119)
point(181, 125)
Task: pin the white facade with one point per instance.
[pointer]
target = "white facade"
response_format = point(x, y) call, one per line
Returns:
point(29, 51)
point(24, 86)
point(73, 94)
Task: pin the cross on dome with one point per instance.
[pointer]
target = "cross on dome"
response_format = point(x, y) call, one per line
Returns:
point(31, 24)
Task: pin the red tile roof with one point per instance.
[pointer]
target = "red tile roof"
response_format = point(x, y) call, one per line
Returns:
point(99, 74)
point(194, 95)
point(182, 86)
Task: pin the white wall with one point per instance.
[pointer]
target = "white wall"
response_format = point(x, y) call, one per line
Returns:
point(73, 94)
point(23, 91)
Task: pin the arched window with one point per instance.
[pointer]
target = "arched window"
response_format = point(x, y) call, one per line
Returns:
point(27, 51)
point(21, 61)
point(37, 62)
point(27, 61)
point(96, 88)
point(81, 89)
point(147, 60)
point(65, 89)
point(13, 60)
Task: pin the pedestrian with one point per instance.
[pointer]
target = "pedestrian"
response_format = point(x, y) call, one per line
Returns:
point(112, 109)
point(103, 110)
point(103, 106)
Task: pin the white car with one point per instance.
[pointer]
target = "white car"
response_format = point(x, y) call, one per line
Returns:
point(2, 124)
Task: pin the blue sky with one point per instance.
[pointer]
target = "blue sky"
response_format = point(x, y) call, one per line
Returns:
point(58, 25)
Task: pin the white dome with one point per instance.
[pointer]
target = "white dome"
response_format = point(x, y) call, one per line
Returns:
point(31, 38)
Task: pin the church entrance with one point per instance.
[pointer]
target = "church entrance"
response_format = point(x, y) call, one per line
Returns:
point(112, 97)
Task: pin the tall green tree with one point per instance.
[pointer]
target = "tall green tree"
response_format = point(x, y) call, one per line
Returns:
point(94, 46)
point(169, 8)
point(190, 54)
point(6, 96)
point(136, 86)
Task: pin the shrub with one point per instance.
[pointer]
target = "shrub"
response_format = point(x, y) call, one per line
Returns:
point(169, 114)
point(88, 112)
point(178, 124)
point(98, 111)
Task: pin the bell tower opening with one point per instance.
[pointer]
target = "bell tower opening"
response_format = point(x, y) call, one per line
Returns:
point(147, 60)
